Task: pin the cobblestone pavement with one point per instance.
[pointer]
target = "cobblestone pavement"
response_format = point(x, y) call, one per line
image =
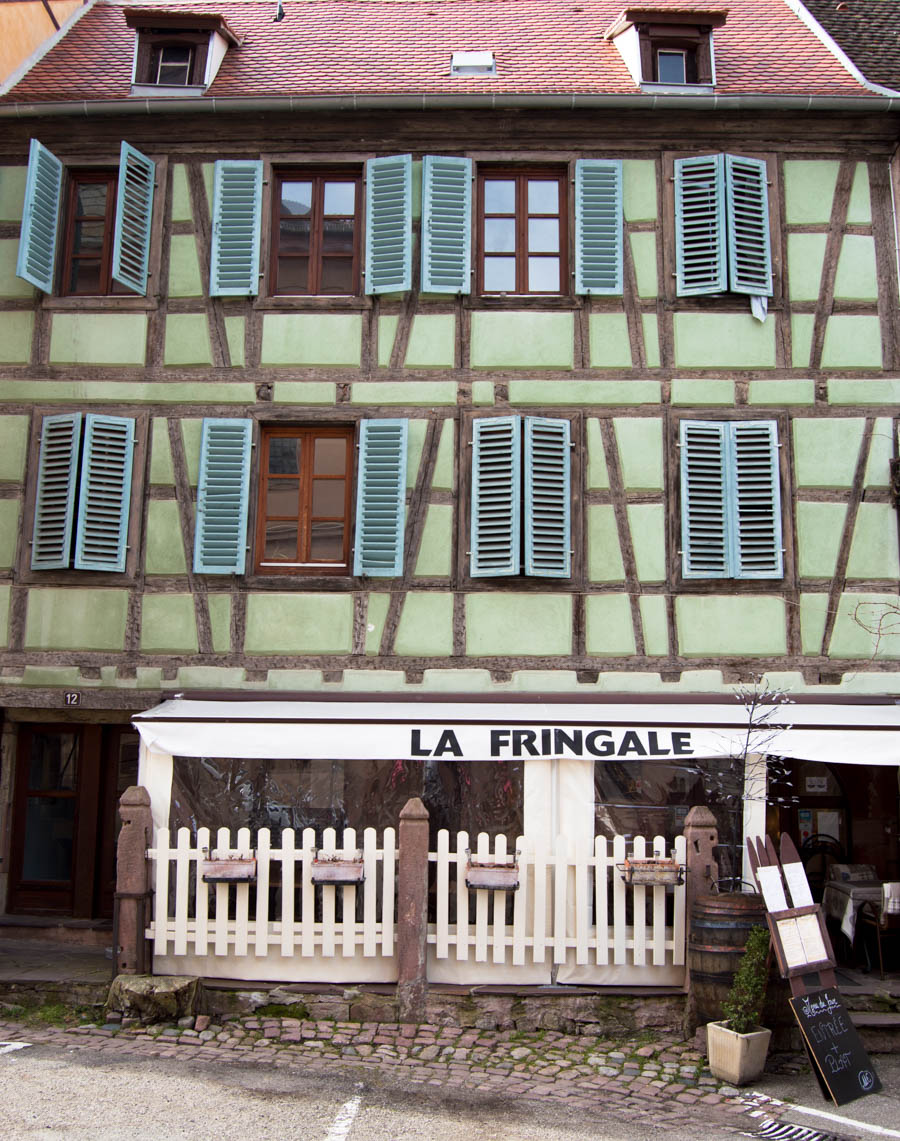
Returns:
point(663, 1082)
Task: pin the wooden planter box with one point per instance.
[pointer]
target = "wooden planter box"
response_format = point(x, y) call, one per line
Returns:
point(492, 877)
point(338, 870)
point(237, 869)
point(652, 872)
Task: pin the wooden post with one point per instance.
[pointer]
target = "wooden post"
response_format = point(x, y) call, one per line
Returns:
point(412, 911)
point(132, 881)
point(701, 835)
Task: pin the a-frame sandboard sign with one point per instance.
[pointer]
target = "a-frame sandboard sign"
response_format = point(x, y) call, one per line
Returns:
point(803, 950)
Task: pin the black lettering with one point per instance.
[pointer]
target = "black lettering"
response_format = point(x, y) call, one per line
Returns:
point(631, 743)
point(524, 739)
point(571, 741)
point(605, 749)
point(499, 741)
point(415, 747)
point(681, 745)
point(655, 748)
point(545, 742)
point(448, 744)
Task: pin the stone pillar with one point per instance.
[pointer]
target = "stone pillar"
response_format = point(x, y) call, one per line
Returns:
point(133, 882)
point(412, 911)
point(701, 834)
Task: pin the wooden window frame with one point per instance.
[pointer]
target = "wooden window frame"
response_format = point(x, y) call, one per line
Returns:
point(269, 432)
point(149, 40)
point(318, 177)
point(695, 40)
point(82, 177)
point(521, 175)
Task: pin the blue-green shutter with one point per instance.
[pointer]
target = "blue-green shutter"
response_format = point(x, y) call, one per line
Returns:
point(134, 213)
point(237, 209)
point(705, 531)
point(389, 224)
point(598, 226)
point(756, 499)
point(548, 528)
point(104, 493)
point(446, 224)
point(747, 209)
point(380, 498)
point(496, 496)
point(40, 218)
point(700, 246)
point(54, 508)
point(220, 541)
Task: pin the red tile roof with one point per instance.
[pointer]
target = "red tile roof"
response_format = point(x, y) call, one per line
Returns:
point(403, 47)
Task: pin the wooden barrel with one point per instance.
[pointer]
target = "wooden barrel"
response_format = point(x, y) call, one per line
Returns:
point(720, 927)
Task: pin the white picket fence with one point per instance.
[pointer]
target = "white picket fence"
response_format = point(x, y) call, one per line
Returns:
point(572, 918)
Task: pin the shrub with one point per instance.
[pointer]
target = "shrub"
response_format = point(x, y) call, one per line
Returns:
point(743, 1006)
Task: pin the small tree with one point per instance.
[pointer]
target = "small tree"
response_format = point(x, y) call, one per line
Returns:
point(743, 1006)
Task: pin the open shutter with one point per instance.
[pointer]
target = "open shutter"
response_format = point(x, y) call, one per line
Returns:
point(380, 498)
point(54, 506)
point(104, 495)
point(598, 226)
point(747, 209)
point(704, 498)
point(757, 500)
point(446, 224)
point(40, 218)
point(389, 224)
point(237, 207)
point(220, 539)
point(548, 528)
point(134, 212)
point(700, 225)
point(496, 498)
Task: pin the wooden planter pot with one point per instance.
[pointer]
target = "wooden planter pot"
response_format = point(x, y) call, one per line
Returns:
point(736, 1058)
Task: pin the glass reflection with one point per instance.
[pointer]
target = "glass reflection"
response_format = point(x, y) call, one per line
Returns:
point(499, 275)
point(499, 196)
point(543, 275)
point(543, 197)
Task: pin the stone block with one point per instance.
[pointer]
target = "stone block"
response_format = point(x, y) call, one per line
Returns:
point(154, 998)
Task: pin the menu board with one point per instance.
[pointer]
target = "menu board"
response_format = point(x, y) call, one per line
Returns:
point(834, 1045)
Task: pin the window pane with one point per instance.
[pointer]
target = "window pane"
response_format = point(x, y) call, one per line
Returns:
point(328, 498)
point(88, 237)
point(670, 67)
point(543, 235)
point(500, 235)
point(337, 275)
point(337, 237)
point(330, 456)
point(499, 196)
point(283, 497)
point(284, 455)
point(293, 275)
point(53, 760)
point(296, 197)
point(281, 541)
point(85, 277)
point(543, 275)
point(340, 198)
point(49, 829)
point(543, 197)
point(91, 199)
point(326, 542)
point(500, 275)
point(293, 236)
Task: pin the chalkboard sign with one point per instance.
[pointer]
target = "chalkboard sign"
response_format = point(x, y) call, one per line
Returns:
point(834, 1045)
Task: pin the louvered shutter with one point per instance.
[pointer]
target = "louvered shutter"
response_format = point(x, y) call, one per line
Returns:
point(756, 497)
point(220, 539)
point(700, 246)
point(598, 226)
point(747, 209)
point(134, 212)
point(380, 498)
point(705, 531)
point(446, 224)
point(237, 207)
point(548, 538)
point(389, 224)
point(40, 218)
point(496, 496)
point(54, 507)
point(104, 494)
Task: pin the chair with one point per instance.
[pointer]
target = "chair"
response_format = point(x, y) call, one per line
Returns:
point(821, 851)
point(884, 921)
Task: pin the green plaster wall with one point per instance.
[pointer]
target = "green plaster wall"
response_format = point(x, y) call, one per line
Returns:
point(387, 331)
point(220, 622)
point(813, 615)
point(426, 626)
point(878, 467)
point(482, 392)
point(184, 267)
point(597, 474)
point(13, 446)
point(639, 189)
point(444, 463)
point(826, 451)
point(609, 392)
point(375, 617)
point(604, 553)
point(855, 279)
point(859, 211)
point(640, 453)
point(209, 179)
point(844, 391)
point(416, 175)
point(518, 624)
point(437, 542)
point(432, 342)
point(304, 392)
point(181, 195)
point(710, 625)
point(732, 340)
point(781, 392)
point(809, 190)
point(655, 624)
point(425, 393)
point(650, 326)
point(10, 284)
point(707, 392)
point(609, 629)
point(15, 336)
point(192, 435)
point(234, 334)
point(168, 624)
point(522, 340)
point(75, 619)
point(187, 339)
point(647, 522)
point(299, 624)
point(802, 328)
point(852, 341)
point(12, 192)
point(4, 615)
point(806, 256)
point(643, 253)
point(819, 530)
point(312, 339)
point(128, 392)
point(164, 546)
point(98, 338)
point(866, 627)
point(9, 531)
point(873, 550)
point(161, 470)
point(415, 440)
point(610, 346)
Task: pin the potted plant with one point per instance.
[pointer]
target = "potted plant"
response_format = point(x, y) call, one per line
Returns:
point(737, 1046)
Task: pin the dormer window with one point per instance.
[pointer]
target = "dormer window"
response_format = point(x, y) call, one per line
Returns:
point(672, 66)
point(176, 53)
point(171, 64)
point(668, 47)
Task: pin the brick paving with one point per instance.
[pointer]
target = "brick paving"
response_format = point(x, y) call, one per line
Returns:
point(665, 1080)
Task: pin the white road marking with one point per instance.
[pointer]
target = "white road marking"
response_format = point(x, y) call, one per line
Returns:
point(8, 1047)
point(343, 1123)
point(848, 1121)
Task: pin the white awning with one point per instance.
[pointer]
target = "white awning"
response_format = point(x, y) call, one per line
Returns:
point(854, 732)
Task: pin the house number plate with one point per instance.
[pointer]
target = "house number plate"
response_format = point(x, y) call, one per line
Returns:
point(73, 697)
